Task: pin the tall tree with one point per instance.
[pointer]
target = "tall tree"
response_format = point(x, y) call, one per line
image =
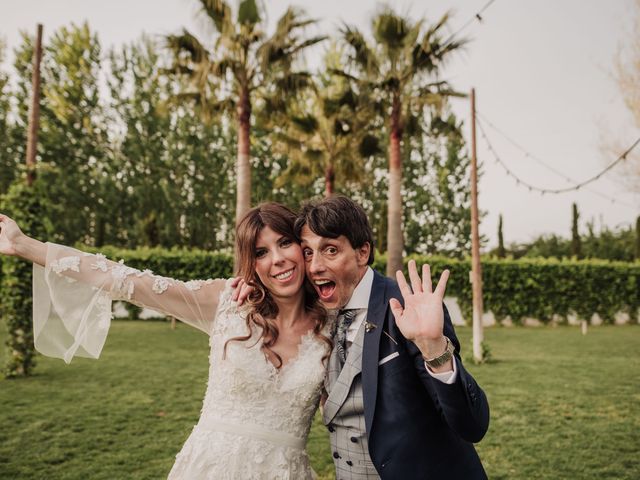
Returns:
point(401, 68)
point(171, 171)
point(637, 244)
point(576, 245)
point(73, 134)
point(73, 142)
point(436, 190)
point(243, 60)
point(324, 131)
point(144, 174)
point(8, 155)
point(627, 74)
point(501, 252)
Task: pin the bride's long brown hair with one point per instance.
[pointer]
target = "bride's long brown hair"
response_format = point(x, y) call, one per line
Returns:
point(263, 309)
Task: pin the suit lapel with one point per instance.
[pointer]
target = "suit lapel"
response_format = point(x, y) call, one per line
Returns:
point(376, 313)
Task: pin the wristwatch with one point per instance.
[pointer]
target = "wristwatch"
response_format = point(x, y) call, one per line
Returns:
point(442, 358)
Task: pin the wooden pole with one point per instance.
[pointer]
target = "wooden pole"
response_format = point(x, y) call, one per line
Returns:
point(476, 268)
point(34, 113)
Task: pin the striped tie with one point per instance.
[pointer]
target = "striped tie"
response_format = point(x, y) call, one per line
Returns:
point(345, 317)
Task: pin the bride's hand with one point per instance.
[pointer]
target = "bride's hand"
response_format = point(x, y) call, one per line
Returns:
point(10, 233)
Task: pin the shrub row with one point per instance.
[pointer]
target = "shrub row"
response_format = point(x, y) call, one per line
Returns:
point(544, 288)
point(15, 284)
point(538, 288)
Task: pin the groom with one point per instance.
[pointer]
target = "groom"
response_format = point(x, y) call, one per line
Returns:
point(400, 403)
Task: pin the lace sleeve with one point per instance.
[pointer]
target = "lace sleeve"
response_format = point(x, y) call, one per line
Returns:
point(73, 294)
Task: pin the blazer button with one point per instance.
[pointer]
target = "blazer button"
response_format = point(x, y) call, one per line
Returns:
point(336, 455)
point(350, 463)
point(331, 429)
point(354, 439)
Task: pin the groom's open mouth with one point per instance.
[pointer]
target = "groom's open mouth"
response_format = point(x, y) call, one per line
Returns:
point(325, 288)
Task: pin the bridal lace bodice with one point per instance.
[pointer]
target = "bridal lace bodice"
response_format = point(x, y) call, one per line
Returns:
point(246, 387)
point(255, 418)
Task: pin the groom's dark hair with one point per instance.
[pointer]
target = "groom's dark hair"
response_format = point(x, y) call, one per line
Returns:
point(334, 216)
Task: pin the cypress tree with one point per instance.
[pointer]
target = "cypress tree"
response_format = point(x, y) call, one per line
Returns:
point(501, 250)
point(576, 247)
point(637, 252)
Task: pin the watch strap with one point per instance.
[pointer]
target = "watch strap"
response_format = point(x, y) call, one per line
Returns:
point(442, 358)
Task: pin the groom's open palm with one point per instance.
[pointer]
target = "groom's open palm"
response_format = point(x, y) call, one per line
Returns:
point(422, 317)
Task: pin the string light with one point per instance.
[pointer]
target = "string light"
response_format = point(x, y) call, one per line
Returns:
point(534, 158)
point(575, 187)
point(477, 16)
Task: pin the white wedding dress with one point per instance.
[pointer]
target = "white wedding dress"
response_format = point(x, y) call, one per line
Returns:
point(255, 418)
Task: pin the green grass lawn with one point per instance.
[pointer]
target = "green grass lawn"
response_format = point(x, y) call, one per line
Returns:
point(563, 405)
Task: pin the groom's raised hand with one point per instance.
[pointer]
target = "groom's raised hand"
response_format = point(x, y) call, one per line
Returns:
point(422, 318)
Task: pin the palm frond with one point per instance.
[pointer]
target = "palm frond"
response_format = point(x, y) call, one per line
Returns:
point(364, 57)
point(291, 20)
point(343, 74)
point(412, 35)
point(440, 88)
point(369, 145)
point(283, 46)
point(220, 14)
point(348, 98)
point(413, 124)
point(306, 43)
point(176, 69)
point(390, 29)
point(292, 83)
point(288, 140)
point(314, 155)
point(307, 124)
point(435, 28)
point(220, 68)
point(186, 44)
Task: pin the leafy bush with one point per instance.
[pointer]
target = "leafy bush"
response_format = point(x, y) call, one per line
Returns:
point(536, 288)
point(176, 263)
point(21, 203)
point(542, 288)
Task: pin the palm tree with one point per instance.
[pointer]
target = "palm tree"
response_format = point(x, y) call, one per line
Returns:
point(242, 61)
point(401, 71)
point(324, 132)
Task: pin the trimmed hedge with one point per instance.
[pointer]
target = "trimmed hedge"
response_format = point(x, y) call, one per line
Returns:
point(176, 263)
point(22, 204)
point(543, 288)
point(535, 288)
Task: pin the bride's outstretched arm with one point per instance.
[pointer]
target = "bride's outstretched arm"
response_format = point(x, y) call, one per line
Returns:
point(74, 290)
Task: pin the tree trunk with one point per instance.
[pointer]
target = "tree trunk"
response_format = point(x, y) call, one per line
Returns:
point(476, 264)
point(243, 166)
point(637, 252)
point(395, 241)
point(329, 180)
point(34, 113)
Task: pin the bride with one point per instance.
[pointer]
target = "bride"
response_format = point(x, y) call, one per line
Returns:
point(266, 359)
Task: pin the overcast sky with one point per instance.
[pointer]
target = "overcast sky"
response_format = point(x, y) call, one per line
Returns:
point(543, 73)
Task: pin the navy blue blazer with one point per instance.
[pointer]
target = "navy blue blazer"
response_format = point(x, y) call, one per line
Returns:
point(417, 426)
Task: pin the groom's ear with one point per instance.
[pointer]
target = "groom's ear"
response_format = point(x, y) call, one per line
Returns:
point(362, 254)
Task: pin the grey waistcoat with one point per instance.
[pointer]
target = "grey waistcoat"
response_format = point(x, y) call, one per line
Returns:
point(344, 414)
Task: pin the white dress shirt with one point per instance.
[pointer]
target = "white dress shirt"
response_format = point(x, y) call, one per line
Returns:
point(360, 300)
